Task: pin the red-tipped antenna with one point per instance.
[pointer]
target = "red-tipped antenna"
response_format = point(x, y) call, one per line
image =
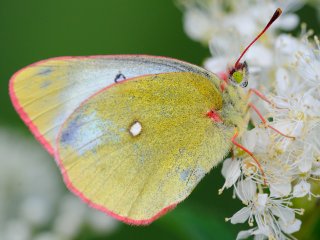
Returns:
point(276, 14)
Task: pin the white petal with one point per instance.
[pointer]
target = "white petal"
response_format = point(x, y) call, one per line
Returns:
point(100, 222)
point(286, 214)
point(291, 5)
point(244, 234)
point(301, 189)
point(280, 190)
point(313, 104)
point(280, 101)
point(316, 171)
point(282, 82)
point(231, 171)
point(262, 233)
point(216, 64)
point(241, 216)
point(306, 160)
point(36, 210)
point(197, 25)
point(297, 131)
point(246, 190)
point(260, 237)
point(242, 23)
point(16, 230)
point(308, 65)
point(249, 139)
point(291, 227)
point(260, 56)
point(286, 44)
point(256, 140)
point(262, 199)
point(70, 216)
point(225, 166)
point(223, 44)
point(261, 202)
point(305, 166)
point(288, 21)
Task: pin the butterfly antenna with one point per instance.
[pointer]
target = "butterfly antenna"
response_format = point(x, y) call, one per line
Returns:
point(276, 14)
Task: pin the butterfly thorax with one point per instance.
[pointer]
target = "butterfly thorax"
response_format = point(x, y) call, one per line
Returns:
point(232, 112)
point(235, 107)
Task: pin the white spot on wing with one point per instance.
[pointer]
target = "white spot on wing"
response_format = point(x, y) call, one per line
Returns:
point(135, 128)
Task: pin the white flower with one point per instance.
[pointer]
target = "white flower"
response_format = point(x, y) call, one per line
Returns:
point(28, 185)
point(297, 114)
point(266, 211)
point(284, 84)
point(197, 25)
point(16, 230)
point(308, 63)
point(272, 215)
point(300, 118)
point(36, 210)
point(286, 47)
point(101, 223)
point(202, 17)
point(70, 216)
point(30, 192)
point(286, 69)
point(229, 32)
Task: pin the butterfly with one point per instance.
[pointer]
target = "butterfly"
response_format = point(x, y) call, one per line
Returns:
point(132, 134)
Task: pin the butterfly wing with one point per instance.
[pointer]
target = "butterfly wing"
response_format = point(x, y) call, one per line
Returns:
point(47, 92)
point(136, 174)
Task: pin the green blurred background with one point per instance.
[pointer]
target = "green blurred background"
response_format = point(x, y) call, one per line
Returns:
point(34, 30)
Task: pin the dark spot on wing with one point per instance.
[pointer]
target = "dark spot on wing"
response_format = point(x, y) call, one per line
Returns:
point(45, 71)
point(119, 77)
point(185, 174)
point(45, 84)
point(69, 133)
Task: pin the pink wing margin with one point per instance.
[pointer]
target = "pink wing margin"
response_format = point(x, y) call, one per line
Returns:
point(23, 115)
point(101, 208)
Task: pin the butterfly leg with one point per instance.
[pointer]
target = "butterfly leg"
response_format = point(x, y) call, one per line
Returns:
point(233, 140)
point(265, 122)
point(262, 96)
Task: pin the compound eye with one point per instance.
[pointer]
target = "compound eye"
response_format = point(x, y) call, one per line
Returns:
point(240, 75)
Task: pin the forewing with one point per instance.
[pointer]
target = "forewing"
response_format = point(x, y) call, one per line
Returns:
point(47, 92)
point(138, 177)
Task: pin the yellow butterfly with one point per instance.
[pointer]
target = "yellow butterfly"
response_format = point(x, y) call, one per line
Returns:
point(132, 134)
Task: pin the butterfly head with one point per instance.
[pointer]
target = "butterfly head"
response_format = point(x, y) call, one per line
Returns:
point(238, 75)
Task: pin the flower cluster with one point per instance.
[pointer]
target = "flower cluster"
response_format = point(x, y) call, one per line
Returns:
point(286, 70)
point(33, 203)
